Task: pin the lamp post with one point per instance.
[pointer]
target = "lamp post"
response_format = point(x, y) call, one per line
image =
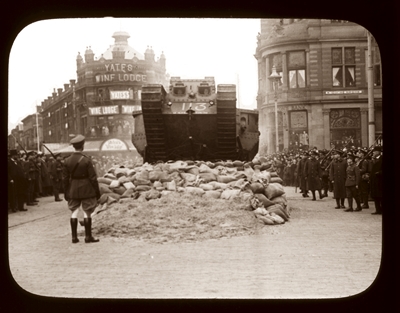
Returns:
point(274, 78)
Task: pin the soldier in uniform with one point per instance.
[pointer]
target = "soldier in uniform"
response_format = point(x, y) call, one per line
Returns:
point(56, 170)
point(337, 175)
point(363, 187)
point(352, 182)
point(312, 174)
point(300, 173)
point(324, 162)
point(30, 173)
point(376, 179)
point(80, 188)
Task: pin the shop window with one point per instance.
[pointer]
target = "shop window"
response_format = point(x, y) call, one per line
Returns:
point(343, 67)
point(297, 69)
point(298, 130)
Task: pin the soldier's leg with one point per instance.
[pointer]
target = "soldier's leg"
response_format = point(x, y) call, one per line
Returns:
point(73, 205)
point(88, 206)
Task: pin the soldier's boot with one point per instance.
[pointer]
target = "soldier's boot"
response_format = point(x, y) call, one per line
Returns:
point(321, 196)
point(359, 208)
point(342, 203)
point(350, 209)
point(313, 195)
point(74, 229)
point(88, 230)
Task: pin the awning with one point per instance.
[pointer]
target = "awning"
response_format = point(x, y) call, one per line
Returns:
point(113, 144)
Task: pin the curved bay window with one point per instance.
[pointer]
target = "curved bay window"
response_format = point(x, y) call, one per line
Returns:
point(345, 125)
point(297, 69)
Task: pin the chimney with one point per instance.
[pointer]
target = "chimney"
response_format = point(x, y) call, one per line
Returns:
point(59, 91)
point(54, 93)
point(66, 86)
point(72, 81)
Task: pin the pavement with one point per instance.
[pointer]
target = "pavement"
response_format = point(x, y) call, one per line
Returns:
point(321, 253)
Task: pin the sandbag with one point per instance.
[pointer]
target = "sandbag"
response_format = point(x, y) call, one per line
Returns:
point(103, 199)
point(129, 185)
point(264, 200)
point(248, 171)
point(277, 219)
point(193, 170)
point(203, 168)
point(206, 187)
point(123, 179)
point(225, 178)
point(104, 180)
point(119, 190)
point(265, 166)
point(261, 211)
point(266, 220)
point(152, 194)
point(120, 171)
point(157, 175)
point(188, 177)
point(158, 184)
point(215, 194)
point(229, 193)
point(138, 182)
point(210, 164)
point(113, 195)
point(166, 192)
point(273, 174)
point(115, 183)
point(142, 188)
point(240, 184)
point(110, 176)
point(277, 180)
point(104, 188)
point(273, 190)
point(238, 163)
point(218, 185)
point(171, 185)
point(208, 177)
point(128, 193)
point(195, 191)
point(257, 187)
point(240, 175)
point(142, 175)
point(280, 199)
point(278, 209)
point(246, 195)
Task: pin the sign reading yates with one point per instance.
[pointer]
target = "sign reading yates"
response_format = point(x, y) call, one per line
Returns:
point(105, 110)
point(120, 72)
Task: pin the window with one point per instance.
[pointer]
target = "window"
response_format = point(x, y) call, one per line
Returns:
point(343, 67)
point(297, 69)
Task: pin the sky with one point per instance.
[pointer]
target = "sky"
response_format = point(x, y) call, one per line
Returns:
point(43, 55)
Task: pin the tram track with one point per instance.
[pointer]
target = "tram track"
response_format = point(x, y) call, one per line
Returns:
point(37, 219)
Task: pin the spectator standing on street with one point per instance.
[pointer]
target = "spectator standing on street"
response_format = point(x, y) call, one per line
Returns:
point(46, 183)
point(324, 162)
point(80, 188)
point(56, 176)
point(352, 183)
point(337, 175)
point(376, 179)
point(312, 174)
point(300, 173)
point(30, 173)
point(363, 187)
point(16, 183)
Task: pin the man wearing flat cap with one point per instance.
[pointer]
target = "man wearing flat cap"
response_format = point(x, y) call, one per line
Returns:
point(81, 188)
point(376, 179)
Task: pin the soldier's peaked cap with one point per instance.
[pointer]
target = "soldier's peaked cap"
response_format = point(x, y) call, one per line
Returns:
point(77, 140)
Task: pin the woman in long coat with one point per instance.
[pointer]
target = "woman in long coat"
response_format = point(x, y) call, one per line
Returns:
point(312, 173)
point(337, 175)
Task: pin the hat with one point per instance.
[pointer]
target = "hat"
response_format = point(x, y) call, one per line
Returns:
point(13, 152)
point(78, 140)
point(313, 152)
point(31, 153)
point(377, 148)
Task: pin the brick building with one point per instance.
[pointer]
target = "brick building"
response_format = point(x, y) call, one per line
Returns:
point(99, 103)
point(322, 97)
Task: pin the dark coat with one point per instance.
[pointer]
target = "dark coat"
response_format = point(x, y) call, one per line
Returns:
point(45, 174)
point(17, 175)
point(300, 173)
point(352, 176)
point(337, 174)
point(376, 181)
point(83, 184)
point(312, 172)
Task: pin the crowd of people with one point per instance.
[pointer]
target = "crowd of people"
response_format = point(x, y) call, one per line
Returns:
point(354, 173)
point(33, 175)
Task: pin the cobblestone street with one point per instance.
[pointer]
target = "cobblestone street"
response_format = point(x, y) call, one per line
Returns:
point(320, 253)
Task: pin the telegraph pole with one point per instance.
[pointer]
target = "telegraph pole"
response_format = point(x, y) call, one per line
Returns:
point(371, 108)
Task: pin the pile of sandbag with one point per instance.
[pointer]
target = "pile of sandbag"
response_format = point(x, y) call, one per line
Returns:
point(256, 182)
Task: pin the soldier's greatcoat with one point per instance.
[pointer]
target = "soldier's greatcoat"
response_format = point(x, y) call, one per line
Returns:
point(376, 182)
point(313, 173)
point(337, 173)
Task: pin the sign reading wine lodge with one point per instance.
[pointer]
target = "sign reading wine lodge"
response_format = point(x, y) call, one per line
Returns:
point(120, 72)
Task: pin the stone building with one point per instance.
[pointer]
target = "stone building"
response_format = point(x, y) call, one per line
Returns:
point(99, 103)
point(322, 96)
point(31, 135)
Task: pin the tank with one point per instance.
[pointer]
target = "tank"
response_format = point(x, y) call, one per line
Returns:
point(194, 121)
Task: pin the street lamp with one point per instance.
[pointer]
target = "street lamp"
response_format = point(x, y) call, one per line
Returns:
point(275, 78)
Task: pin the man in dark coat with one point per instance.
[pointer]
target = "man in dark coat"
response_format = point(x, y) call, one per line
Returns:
point(376, 181)
point(80, 188)
point(363, 187)
point(16, 183)
point(300, 173)
point(352, 182)
point(30, 169)
point(337, 175)
point(56, 169)
point(312, 174)
point(324, 161)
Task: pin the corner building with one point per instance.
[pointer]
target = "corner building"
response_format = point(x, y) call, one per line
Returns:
point(322, 96)
point(99, 104)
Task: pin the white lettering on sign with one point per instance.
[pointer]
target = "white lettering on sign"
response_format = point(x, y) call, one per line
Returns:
point(119, 67)
point(107, 110)
point(128, 109)
point(197, 107)
point(341, 92)
point(114, 144)
point(121, 77)
point(124, 94)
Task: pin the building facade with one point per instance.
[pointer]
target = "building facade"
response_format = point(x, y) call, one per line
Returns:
point(322, 95)
point(31, 135)
point(99, 103)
